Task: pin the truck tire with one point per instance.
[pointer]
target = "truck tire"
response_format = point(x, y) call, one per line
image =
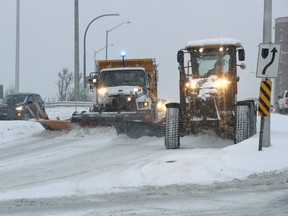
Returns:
point(133, 134)
point(172, 137)
point(25, 116)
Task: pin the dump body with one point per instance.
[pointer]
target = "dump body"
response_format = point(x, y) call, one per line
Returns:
point(208, 90)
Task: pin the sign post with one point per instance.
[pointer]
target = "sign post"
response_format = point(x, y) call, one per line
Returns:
point(267, 67)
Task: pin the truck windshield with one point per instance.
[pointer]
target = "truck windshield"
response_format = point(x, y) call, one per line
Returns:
point(212, 63)
point(122, 78)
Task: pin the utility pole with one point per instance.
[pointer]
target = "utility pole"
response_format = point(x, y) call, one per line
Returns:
point(76, 52)
point(107, 32)
point(267, 29)
point(17, 46)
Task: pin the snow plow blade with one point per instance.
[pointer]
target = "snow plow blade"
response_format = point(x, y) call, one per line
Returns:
point(133, 125)
point(57, 125)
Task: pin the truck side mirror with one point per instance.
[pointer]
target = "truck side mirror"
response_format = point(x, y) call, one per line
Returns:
point(241, 54)
point(180, 57)
point(145, 90)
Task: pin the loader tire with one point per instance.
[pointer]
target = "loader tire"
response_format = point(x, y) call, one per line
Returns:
point(241, 132)
point(245, 121)
point(172, 137)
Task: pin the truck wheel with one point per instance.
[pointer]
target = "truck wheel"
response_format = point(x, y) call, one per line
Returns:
point(25, 116)
point(172, 138)
point(133, 134)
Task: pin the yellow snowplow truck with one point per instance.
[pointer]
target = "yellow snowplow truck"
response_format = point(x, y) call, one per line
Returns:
point(208, 93)
point(124, 95)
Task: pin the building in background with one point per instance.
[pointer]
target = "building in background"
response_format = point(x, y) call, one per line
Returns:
point(1, 92)
point(281, 37)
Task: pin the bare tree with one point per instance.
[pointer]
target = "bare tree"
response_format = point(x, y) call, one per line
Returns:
point(64, 85)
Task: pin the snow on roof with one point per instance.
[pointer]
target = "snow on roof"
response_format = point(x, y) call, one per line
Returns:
point(209, 42)
point(122, 68)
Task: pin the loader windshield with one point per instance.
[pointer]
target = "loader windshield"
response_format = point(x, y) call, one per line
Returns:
point(211, 62)
point(129, 77)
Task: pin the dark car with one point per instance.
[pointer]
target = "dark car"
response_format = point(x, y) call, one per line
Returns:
point(22, 106)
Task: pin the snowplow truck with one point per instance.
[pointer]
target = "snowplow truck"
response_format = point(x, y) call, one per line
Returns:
point(208, 94)
point(124, 95)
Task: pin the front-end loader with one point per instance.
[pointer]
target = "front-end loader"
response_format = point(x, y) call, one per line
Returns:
point(208, 93)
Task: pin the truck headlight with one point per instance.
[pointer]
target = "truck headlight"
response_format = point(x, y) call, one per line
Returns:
point(102, 91)
point(19, 108)
point(94, 80)
point(221, 83)
point(143, 104)
point(137, 89)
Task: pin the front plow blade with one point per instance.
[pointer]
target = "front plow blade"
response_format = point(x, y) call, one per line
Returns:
point(133, 125)
point(57, 125)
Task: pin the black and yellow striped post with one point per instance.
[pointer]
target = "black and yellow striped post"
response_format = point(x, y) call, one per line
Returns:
point(264, 107)
point(264, 98)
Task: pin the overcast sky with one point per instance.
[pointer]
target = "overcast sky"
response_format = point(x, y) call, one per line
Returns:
point(158, 29)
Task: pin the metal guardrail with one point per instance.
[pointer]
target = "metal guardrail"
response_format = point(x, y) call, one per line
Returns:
point(68, 104)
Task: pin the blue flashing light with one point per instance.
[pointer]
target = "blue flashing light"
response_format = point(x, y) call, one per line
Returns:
point(123, 54)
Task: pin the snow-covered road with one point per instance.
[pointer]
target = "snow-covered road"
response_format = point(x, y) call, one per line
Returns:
point(95, 172)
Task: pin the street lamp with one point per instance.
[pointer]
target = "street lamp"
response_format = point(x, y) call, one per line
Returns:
point(123, 55)
point(95, 53)
point(84, 53)
point(107, 32)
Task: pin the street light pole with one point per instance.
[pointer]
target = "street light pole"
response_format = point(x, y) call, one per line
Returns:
point(95, 53)
point(107, 32)
point(17, 47)
point(76, 51)
point(267, 27)
point(84, 47)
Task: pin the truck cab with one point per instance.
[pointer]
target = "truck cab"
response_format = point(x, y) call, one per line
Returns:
point(122, 89)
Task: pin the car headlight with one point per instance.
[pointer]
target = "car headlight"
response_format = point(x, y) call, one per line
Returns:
point(221, 83)
point(102, 91)
point(19, 108)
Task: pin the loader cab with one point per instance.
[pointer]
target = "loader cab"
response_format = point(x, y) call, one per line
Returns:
point(211, 58)
point(220, 61)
